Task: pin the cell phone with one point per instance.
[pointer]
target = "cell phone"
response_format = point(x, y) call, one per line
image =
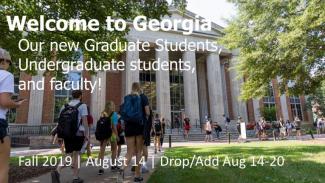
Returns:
point(21, 99)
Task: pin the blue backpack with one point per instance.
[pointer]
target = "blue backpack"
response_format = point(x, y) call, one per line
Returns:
point(132, 109)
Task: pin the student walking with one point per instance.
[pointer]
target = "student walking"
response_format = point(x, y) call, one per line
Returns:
point(157, 132)
point(106, 132)
point(208, 131)
point(6, 103)
point(121, 135)
point(289, 128)
point(187, 127)
point(217, 129)
point(73, 129)
point(163, 126)
point(90, 121)
point(297, 125)
point(226, 120)
point(133, 115)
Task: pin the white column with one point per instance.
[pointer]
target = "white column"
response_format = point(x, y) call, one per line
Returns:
point(256, 106)
point(35, 109)
point(202, 89)
point(191, 97)
point(130, 76)
point(239, 106)
point(284, 107)
point(163, 87)
point(215, 87)
point(98, 97)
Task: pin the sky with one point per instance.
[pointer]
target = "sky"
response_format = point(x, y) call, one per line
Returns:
point(214, 10)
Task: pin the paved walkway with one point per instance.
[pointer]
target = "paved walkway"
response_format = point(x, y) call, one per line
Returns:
point(89, 173)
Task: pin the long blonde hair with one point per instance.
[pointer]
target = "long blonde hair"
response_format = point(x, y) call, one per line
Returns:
point(109, 108)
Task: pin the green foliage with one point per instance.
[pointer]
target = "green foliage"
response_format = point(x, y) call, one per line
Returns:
point(68, 9)
point(269, 113)
point(318, 97)
point(279, 39)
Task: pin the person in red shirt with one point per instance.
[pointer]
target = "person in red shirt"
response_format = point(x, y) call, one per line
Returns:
point(90, 120)
point(187, 127)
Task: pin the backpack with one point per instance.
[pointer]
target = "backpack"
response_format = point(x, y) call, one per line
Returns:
point(228, 120)
point(68, 121)
point(157, 125)
point(103, 128)
point(132, 109)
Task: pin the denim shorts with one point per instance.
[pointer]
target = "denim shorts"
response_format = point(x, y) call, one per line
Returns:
point(3, 129)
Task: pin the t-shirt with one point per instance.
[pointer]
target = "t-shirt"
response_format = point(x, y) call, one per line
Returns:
point(114, 119)
point(6, 86)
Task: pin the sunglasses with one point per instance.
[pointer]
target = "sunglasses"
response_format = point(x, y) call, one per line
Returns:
point(7, 61)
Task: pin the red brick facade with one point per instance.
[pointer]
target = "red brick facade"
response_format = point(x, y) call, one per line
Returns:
point(114, 88)
point(22, 111)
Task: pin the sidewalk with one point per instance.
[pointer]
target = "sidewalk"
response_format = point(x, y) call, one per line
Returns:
point(89, 173)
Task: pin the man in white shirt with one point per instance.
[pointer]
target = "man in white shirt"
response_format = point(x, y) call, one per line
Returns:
point(6, 103)
point(74, 145)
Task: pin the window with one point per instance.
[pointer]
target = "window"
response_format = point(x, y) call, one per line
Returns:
point(11, 115)
point(148, 84)
point(269, 100)
point(296, 107)
point(62, 97)
point(176, 94)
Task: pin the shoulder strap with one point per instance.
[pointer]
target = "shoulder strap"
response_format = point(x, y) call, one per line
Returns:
point(78, 105)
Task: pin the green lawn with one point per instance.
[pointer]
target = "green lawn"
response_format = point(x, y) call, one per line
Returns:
point(303, 162)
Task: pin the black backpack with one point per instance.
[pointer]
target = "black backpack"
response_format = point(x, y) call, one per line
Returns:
point(68, 122)
point(157, 125)
point(103, 128)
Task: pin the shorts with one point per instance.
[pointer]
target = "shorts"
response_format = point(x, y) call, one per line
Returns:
point(74, 144)
point(298, 128)
point(121, 140)
point(133, 129)
point(3, 129)
point(208, 132)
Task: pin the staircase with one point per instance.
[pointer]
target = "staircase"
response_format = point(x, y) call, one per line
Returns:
point(198, 134)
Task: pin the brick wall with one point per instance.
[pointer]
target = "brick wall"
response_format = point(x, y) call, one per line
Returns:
point(114, 88)
point(22, 111)
point(48, 100)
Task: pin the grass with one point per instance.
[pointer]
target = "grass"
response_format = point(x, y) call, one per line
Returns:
point(304, 162)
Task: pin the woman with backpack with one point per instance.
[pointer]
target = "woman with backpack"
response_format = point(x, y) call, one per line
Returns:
point(106, 132)
point(135, 110)
point(157, 132)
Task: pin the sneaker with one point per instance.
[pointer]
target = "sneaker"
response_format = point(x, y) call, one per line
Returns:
point(55, 176)
point(100, 172)
point(138, 179)
point(144, 169)
point(78, 180)
point(115, 168)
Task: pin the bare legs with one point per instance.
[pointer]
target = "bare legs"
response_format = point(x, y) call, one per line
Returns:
point(4, 159)
point(134, 146)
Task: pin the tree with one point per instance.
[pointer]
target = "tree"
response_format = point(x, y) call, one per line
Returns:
point(279, 39)
point(72, 9)
point(318, 98)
